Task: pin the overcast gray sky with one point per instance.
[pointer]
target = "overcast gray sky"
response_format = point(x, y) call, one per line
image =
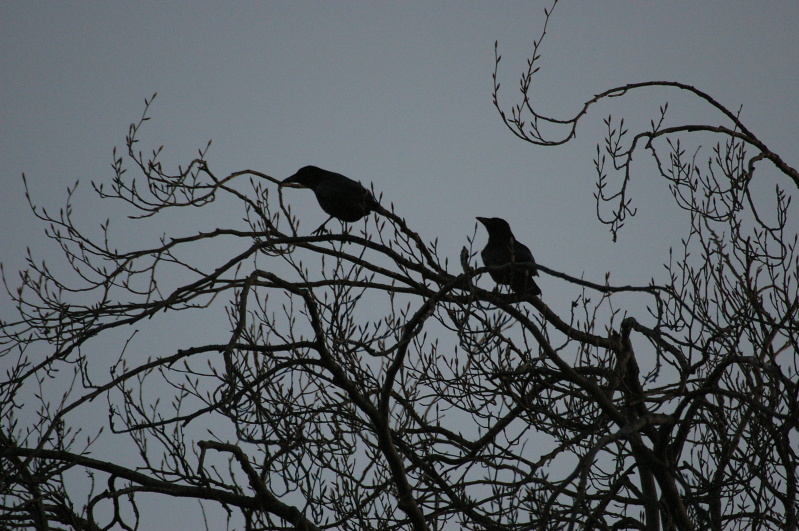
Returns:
point(392, 93)
point(398, 94)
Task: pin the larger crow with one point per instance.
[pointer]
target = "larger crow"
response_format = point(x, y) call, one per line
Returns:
point(502, 249)
point(339, 196)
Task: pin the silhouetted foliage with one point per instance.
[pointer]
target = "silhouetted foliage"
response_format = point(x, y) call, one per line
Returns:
point(364, 383)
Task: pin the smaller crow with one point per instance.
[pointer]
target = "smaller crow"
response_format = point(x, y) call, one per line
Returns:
point(339, 196)
point(502, 249)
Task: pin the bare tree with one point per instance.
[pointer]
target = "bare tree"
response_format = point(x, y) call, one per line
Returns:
point(365, 383)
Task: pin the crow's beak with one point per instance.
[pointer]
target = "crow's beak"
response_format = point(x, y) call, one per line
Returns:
point(291, 182)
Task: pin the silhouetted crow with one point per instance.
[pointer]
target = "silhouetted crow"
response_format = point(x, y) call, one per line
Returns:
point(339, 196)
point(501, 249)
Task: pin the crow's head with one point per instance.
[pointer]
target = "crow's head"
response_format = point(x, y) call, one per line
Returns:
point(496, 226)
point(309, 177)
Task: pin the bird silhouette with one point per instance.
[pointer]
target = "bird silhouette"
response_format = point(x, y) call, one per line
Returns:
point(502, 249)
point(340, 197)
